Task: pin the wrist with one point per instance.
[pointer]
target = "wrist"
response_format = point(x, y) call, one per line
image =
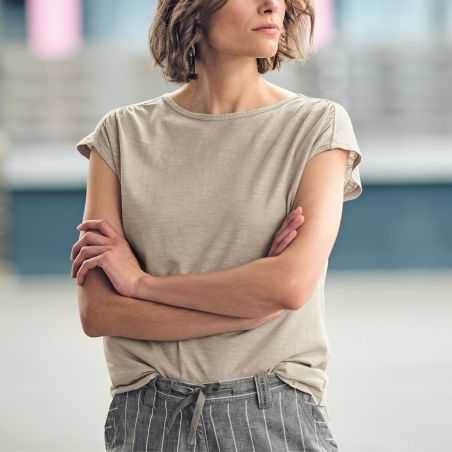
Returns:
point(143, 286)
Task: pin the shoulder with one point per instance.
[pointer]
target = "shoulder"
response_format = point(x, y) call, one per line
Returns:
point(320, 106)
point(321, 113)
point(133, 119)
point(306, 111)
point(141, 107)
point(133, 110)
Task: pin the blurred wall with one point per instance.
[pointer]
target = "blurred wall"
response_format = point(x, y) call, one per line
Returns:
point(389, 63)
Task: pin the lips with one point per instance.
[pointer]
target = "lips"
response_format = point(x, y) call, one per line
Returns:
point(268, 26)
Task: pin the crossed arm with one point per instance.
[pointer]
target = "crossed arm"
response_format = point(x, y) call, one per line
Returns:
point(103, 312)
point(250, 290)
point(247, 291)
point(270, 283)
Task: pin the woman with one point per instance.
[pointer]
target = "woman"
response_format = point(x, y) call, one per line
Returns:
point(192, 263)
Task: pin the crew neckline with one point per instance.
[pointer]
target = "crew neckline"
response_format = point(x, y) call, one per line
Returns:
point(231, 115)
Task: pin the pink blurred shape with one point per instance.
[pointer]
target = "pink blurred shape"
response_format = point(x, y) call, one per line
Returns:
point(53, 27)
point(324, 23)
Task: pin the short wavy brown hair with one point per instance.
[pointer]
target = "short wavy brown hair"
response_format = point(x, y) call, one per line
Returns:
point(179, 24)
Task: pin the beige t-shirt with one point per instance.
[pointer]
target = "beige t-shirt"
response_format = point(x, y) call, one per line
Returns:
point(203, 192)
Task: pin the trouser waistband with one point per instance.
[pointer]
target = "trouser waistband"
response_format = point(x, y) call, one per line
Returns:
point(199, 393)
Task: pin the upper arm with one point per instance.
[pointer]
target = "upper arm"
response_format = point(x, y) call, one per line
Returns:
point(102, 201)
point(330, 177)
point(322, 204)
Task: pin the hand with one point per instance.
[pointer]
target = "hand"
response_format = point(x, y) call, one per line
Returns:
point(102, 246)
point(287, 232)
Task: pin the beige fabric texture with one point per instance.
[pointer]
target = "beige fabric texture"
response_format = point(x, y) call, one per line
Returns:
point(204, 192)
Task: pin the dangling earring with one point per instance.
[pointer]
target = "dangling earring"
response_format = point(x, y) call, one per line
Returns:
point(192, 56)
point(275, 59)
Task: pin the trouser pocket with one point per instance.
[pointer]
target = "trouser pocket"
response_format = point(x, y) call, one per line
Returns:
point(322, 426)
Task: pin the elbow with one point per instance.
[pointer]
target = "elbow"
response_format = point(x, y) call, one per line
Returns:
point(294, 302)
point(87, 317)
point(294, 296)
point(286, 287)
point(297, 287)
point(89, 329)
point(88, 325)
point(93, 301)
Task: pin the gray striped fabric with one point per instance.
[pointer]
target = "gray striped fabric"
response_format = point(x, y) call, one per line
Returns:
point(255, 414)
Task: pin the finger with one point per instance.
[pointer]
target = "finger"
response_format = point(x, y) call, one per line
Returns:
point(86, 267)
point(281, 245)
point(101, 225)
point(90, 238)
point(284, 243)
point(85, 253)
point(292, 215)
point(294, 223)
point(288, 224)
point(289, 217)
point(288, 239)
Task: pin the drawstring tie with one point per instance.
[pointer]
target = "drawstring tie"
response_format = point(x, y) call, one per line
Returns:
point(200, 396)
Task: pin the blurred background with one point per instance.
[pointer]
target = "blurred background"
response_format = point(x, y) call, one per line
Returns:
point(64, 63)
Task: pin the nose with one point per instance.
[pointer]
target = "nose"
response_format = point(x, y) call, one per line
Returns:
point(272, 6)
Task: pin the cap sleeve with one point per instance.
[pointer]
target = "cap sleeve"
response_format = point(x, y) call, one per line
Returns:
point(104, 139)
point(339, 133)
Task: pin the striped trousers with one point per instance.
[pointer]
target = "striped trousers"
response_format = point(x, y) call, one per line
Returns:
point(254, 414)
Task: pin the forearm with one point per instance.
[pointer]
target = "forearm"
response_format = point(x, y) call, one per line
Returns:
point(148, 320)
point(251, 290)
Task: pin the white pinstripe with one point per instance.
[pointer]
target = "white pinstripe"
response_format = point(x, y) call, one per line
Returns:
point(282, 422)
point(266, 429)
point(150, 419)
point(213, 424)
point(248, 423)
point(214, 430)
point(232, 430)
point(163, 430)
point(194, 446)
point(136, 419)
point(178, 435)
point(298, 416)
point(125, 421)
point(205, 431)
